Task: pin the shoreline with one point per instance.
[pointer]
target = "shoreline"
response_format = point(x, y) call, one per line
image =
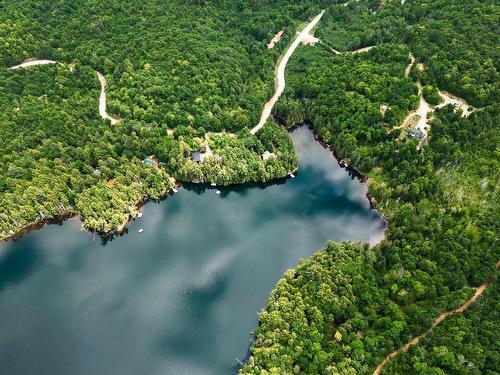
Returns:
point(122, 228)
point(362, 178)
point(61, 218)
point(39, 224)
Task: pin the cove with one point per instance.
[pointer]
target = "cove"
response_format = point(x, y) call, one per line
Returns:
point(182, 296)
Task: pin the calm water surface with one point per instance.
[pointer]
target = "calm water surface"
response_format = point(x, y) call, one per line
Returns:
point(181, 297)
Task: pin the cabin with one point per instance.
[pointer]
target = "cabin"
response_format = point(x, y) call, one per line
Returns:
point(417, 133)
point(197, 157)
point(150, 161)
point(268, 155)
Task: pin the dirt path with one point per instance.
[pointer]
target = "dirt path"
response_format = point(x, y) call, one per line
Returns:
point(457, 102)
point(438, 320)
point(424, 108)
point(208, 150)
point(102, 101)
point(275, 40)
point(422, 112)
point(102, 80)
point(29, 63)
point(335, 52)
point(310, 40)
point(280, 73)
point(361, 50)
point(410, 65)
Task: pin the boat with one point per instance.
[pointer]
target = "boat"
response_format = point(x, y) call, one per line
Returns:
point(217, 192)
point(141, 230)
point(292, 175)
point(174, 190)
point(213, 184)
point(139, 214)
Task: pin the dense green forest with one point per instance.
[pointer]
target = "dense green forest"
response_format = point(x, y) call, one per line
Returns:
point(171, 65)
point(186, 75)
point(463, 344)
point(343, 310)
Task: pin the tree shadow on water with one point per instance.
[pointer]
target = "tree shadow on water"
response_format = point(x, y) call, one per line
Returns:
point(236, 188)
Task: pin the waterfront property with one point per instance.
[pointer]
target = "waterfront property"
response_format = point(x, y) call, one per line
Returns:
point(178, 293)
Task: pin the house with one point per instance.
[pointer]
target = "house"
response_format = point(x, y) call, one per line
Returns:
point(151, 162)
point(417, 133)
point(268, 155)
point(197, 157)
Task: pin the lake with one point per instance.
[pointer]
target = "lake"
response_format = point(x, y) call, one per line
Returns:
point(182, 296)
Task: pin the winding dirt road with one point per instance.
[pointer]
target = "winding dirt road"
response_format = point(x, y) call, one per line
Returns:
point(421, 112)
point(280, 73)
point(410, 65)
point(361, 50)
point(29, 63)
point(448, 98)
point(275, 40)
point(102, 80)
point(438, 320)
point(102, 101)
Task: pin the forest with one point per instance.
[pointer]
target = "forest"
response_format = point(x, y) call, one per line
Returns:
point(190, 73)
point(187, 77)
point(343, 310)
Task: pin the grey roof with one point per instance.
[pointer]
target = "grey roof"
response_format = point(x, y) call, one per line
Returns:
point(418, 133)
point(197, 156)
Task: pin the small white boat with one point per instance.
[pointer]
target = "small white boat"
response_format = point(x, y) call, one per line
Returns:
point(292, 175)
point(213, 184)
point(217, 192)
point(174, 190)
point(139, 214)
point(141, 230)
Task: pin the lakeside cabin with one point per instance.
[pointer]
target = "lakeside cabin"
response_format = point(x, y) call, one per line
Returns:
point(197, 157)
point(417, 133)
point(150, 162)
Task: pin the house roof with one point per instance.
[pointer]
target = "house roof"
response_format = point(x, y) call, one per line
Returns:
point(267, 155)
point(197, 156)
point(416, 132)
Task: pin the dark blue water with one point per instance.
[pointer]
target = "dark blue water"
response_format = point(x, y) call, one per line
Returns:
point(181, 297)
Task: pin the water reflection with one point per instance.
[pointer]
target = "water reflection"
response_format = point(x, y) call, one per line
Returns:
point(181, 297)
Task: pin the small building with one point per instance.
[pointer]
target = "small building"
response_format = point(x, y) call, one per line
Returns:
point(151, 162)
point(268, 155)
point(197, 157)
point(417, 133)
